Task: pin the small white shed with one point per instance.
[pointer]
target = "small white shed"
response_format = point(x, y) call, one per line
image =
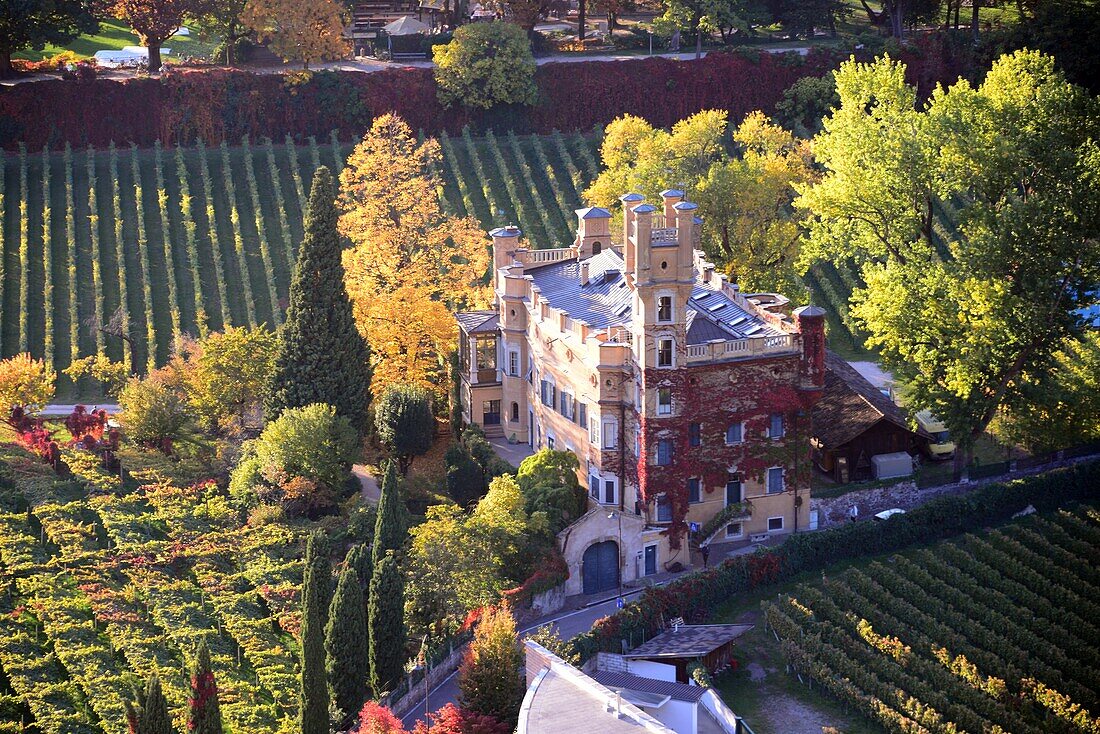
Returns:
point(888, 466)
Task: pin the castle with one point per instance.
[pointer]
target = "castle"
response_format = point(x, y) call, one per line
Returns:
point(686, 401)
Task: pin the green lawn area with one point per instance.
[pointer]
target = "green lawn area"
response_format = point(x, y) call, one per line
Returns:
point(114, 35)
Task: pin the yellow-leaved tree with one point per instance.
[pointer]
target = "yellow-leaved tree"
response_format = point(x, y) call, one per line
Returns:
point(299, 31)
point(26, 385)
point(410, 264)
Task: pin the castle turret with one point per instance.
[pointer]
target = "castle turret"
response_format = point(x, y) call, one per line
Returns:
point(811, 324)
point(593, 231)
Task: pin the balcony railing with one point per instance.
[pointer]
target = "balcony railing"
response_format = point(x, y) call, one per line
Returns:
point(486, 376)
point(749, 347)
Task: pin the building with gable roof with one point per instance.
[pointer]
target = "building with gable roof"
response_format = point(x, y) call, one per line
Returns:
point(686, 401)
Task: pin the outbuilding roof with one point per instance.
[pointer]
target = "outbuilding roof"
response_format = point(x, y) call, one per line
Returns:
point(850, 405)
point(627, 682)
point(689, 641)
point(478, 322)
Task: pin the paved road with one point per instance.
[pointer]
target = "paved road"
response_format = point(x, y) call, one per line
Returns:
point(63, 409)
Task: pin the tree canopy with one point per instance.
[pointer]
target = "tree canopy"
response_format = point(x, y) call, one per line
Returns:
point(321, 356)
point(404, 422)
point(410, 265)
point(35, 23)
point(484, 65)
point(25, 383)
point(299, 31)
point(976, 219)
point(491, 676)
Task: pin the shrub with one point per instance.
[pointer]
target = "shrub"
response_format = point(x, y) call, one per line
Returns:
point(405, 423)
point(486, 64)
point(154, 414)
point(490, 678)
point(265, 515)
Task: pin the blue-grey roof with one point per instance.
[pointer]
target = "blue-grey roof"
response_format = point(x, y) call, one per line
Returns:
point(510, 231)
point(607, 301)
point(478, 322)
point(630, 198)
point(685, 206)
point(644, 209)
point(672, 192)
point(627, 682)
point(593, 212)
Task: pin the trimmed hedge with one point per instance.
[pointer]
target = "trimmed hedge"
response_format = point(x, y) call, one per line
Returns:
point(694, 596)
point(222, 104)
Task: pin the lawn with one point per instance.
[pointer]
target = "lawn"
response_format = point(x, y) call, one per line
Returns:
point(114, 35)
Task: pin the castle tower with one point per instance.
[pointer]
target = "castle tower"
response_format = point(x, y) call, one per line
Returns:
point(593, 231)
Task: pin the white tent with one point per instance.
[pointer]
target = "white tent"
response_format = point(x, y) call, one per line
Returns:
point(406, 25)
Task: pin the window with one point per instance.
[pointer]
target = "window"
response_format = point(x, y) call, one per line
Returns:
point(513, 364)
point(733, 488)
point(565, 404)
point(515, 412)
point(486, 354)
point(664, 452)
point(735, 433)
point(582, 415)
point(594, 486)
point(664, 508)
point(596, 248)
point(664, 401)
point(594, 430)
point(609, 491)
point(775, 523)
point(664, 308)
point(544, 393)
point(610, 434)
point(664, 352)
point(490, 413)
point(775, 430)
point(549, 442)
point(695, 490)
point(695, 434)
point(775, 480)
point(733, 530)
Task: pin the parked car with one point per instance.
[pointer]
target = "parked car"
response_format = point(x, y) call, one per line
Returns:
point(941, 447)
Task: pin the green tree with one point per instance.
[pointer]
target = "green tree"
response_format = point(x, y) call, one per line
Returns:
point(229, 374)
point(301, 461)
point(404, 422)
point(154, 413)
point(976, 219)
point(465, 478)
point(548, 480)
point(386, 625)
point(36, 23)
point(205, 714)
point(491, 676)
point(346, 644)
point(154, 21)
point(26, 385)
point(316, 597)
point(389, 528)
point(152, 714)
point(805, 104)
point(321, 358)
point(484, 65)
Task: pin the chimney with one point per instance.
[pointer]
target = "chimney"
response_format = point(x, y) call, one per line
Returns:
point(584, 272)
point(684, 213)
point(629, 201)
point(672, 197)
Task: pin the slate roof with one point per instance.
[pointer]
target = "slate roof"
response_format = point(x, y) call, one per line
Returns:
point(851, 405)
point(606, 300)
point(478, 322)
point(627, 682)
point(689, 641)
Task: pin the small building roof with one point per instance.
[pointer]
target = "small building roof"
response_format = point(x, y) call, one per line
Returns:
point(670, 193)
point(478, 322)
point(510, 231)
point(593, 212)
point(631, 198)
point(644, 209)
point(850, 405)
point(406, 25)
point(689, 641)
point(685, 206)
point(628, 682)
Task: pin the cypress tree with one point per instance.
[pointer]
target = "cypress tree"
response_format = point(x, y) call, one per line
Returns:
point(205, 714)
point(490, 679)
point(359, 558)
point(389, 527)
point(346, 646)
point(386, 625)
point(316, 593)
point(322, 357)
point(153, 716)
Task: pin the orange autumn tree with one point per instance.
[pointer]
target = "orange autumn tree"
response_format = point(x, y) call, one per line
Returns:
point(410, 265)
point(299, 31)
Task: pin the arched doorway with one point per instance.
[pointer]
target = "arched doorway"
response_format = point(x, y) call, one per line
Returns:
point(600, 570)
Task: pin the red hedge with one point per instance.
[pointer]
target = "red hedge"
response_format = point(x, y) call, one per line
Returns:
point(222, 104)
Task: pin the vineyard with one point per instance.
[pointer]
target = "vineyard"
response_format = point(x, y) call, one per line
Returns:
point(173, 241)
point(990, 632)
point(107, 582)
point(188, 240)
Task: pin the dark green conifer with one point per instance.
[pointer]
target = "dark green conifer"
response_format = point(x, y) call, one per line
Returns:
point(346, 647)
point(316, 596)
point(153, 716)
point(389, 528)
point(386, 625)
point(322, 357)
